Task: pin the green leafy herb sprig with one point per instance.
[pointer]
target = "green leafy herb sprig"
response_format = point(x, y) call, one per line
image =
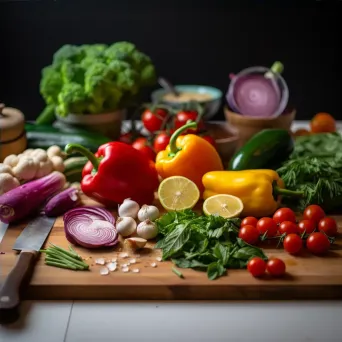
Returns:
point(205, 243)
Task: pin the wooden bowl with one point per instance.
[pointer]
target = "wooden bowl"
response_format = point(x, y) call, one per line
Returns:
point(226, 139)
point(248, 126)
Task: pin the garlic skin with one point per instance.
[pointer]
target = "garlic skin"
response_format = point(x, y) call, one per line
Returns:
point(148, 212)
point(126, 226)
point(147, 229)
point(128, 208)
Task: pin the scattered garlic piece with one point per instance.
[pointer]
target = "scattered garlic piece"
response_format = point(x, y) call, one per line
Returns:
point(124, 265)
point(136, 270)
point(100, 261)
point(125, 269)
point(133, 261)
point(123, 255)
point(114, 259)
point(104, 271)
point(154, 264)
point(111, 266)
point(159, 259)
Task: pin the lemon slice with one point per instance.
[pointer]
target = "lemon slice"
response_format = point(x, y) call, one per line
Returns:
point(178, 193)
point(227, 206)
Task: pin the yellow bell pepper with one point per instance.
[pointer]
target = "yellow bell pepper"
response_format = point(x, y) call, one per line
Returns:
point(259, 190)
point(189, 156)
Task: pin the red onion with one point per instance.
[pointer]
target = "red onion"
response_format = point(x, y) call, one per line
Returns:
point(90, 227)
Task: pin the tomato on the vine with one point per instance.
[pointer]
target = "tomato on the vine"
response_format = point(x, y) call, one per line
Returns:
point(153, 120)
point(256, 266)
point(249, 221)
point(267, 226)
point(313, 212)
point(276, 267)
point(306, 226)
point(284, 214)
point(318, 243)
point(182, 117)
point(249, 234)
point(161, 141)
point(328, 226)
point(141, 144)
point(210, 139)
point(293, 243)
point(288, 227)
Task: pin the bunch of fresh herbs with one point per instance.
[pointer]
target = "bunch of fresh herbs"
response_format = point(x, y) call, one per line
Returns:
point(206, 243)
point(315, 167)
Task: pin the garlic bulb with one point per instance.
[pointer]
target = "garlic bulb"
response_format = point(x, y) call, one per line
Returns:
point(126, 226)
point(147, 229)
point(148, 212)
point(128, 208)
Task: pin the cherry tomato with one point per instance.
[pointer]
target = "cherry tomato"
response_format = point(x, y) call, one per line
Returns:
point(161, 141)
point(153, 121)
point(313, 212)
point(184, 116)
point(301, 132)
point(210, 139)
point(284, 214)
point(141, 144)
point(323, 123)
point(249, 221)
point(256, 266)
point(318, 243)
point(293, 243)
point(249, 234)
point(306, 226)
point(288, 227)
point(328, 226)
point(267, 224)
point(276, 267)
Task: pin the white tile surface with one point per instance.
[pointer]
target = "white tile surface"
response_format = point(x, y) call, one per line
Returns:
point(155, 321)
point(40, 321)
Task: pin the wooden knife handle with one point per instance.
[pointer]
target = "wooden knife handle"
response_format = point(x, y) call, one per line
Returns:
point(9, 293)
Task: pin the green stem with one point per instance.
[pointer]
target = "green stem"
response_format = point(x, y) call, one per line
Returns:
point(277, 67)
point(70, 148)
point(66, 258)
point(178, 273)
point(286, 192)
point(173, 146)
point(72, 254)
point(60, 265)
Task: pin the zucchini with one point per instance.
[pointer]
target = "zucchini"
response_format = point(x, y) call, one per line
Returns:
point(73, 168)
point(44, 136)
point(267, 149)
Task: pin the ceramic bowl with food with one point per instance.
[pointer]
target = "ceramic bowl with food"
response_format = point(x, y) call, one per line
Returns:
point(208, 97)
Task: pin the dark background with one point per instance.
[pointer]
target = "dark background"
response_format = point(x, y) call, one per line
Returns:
point(197, 42)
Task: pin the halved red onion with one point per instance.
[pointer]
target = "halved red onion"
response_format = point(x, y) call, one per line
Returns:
point(90, 227)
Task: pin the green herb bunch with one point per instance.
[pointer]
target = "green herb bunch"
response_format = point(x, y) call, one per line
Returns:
point(205, 243)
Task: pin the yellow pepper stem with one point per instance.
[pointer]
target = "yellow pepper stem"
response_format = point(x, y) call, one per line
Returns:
point(173, 146)
point(285, 192)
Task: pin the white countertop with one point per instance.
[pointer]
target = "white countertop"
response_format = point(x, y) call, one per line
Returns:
point(84, 321)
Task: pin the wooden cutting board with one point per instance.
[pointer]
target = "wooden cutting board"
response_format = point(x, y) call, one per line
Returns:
point(308, 277)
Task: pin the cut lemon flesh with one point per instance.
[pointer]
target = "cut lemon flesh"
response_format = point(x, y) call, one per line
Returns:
point(227, 206)
point(178, 193)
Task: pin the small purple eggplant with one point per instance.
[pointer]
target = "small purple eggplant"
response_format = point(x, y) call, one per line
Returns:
point(62, 202)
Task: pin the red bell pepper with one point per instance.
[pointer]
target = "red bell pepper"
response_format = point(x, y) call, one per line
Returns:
point(115, 172)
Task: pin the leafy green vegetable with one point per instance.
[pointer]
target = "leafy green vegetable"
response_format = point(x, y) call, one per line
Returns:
point(109, 78)
point(204, 243)
point(315, 167)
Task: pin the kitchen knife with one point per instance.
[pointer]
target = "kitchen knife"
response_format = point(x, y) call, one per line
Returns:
point(28, 243)
point(3, 229)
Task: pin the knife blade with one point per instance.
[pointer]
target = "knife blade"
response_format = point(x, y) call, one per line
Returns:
point(29, 242)
point(3, 229)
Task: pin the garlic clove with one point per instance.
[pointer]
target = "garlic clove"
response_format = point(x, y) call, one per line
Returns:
point(147, 229)
point(136, 243)
point(111, 266)
point(100, 261)
point(128, 208)
point(148, 212)
point(104, 271)
point(126, 226)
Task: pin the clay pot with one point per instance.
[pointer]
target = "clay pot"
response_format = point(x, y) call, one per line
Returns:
point(248, 126)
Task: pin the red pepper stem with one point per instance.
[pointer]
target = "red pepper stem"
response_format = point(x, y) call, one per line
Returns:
point(173, 146)
point(70, 148)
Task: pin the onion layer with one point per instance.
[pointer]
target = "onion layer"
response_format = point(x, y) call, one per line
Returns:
point(90, 227)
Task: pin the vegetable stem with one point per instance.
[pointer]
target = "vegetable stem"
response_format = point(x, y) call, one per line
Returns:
point(70, 148)
point(71, 254)
point(59, 264)
point(286, 192)
point(173, 146)
point(178, 273)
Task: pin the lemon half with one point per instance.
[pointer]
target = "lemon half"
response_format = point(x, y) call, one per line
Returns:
point(178, 193)
point(227, 206)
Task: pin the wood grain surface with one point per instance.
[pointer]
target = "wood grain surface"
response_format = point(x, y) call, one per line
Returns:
point(308, 276)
